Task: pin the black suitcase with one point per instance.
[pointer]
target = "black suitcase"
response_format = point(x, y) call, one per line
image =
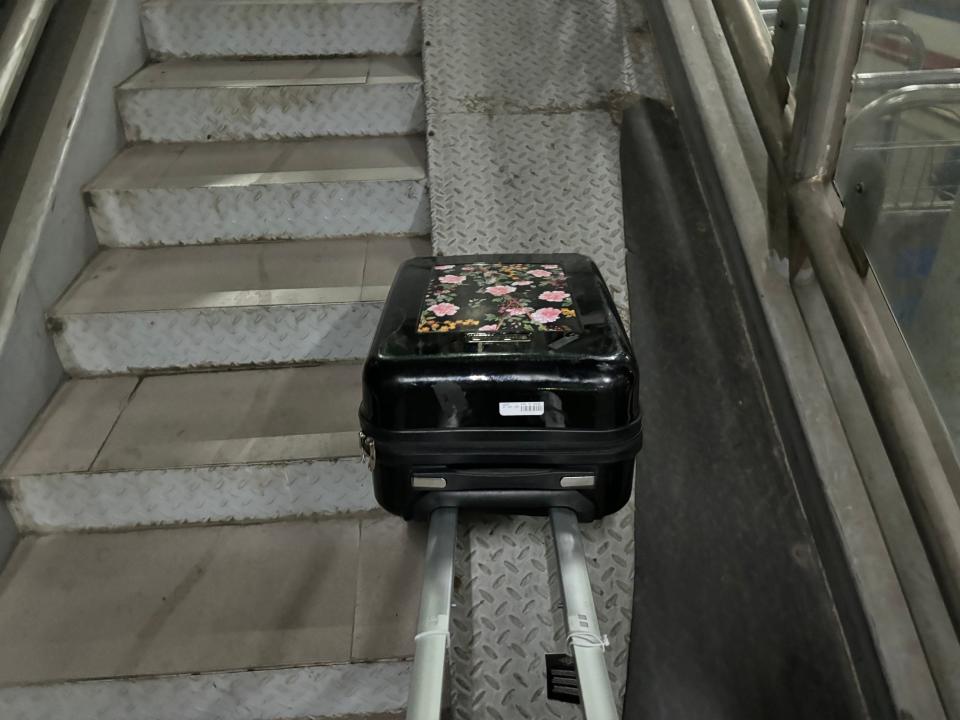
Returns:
point(504, 383)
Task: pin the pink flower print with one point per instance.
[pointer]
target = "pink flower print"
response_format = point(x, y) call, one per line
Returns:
point(539, 273)
point(519, 311)
point(522, 283)
point(443, 267)
point(452, 279)
point(499, 290)
point(443, 309)
point(545, 315)
point(487, 328)
point(554, 295)
point(551, 267)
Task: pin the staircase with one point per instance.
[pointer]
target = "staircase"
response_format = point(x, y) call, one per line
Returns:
point(202, 541)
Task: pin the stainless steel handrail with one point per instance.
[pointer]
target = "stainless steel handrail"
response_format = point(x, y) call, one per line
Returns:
point(896, 28)
point(766, 84)
point(17, 44)
point(895, 79)
point(825, 83)
point(902, 99)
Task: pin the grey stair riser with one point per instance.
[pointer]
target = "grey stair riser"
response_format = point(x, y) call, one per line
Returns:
point(180, 28)
point(69, 502)
point(145, 217)
point(134, 342)
point(327, 691)
point(271, 113)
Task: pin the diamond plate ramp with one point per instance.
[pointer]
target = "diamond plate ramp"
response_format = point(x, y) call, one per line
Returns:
point(509, 611)
point(505, 56)
point(529, 183)
point(521, 106)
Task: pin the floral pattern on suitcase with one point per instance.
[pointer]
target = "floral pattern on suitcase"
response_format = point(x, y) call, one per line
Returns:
point(498, 298)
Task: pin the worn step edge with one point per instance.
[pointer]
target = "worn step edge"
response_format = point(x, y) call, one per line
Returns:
point(112, 343)
point(355, 689)
point(278, 29)
point(146, 217)
point(252, 74)
point(126, 499)
point(206, 114)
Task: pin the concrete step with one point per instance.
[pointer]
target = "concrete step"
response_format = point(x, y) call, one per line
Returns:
point(201, 100)
point(259, 622)
point(195, 193)
point(122, 452)
point(178, 308)
point(281, 28)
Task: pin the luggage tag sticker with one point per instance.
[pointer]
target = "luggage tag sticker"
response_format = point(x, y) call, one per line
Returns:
point(563, 684)
point(513, 409)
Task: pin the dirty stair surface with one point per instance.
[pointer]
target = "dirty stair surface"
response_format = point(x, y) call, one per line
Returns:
point(201, 537)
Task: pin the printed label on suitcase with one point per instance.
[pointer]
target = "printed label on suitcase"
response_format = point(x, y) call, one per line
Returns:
point(508, 409)
point(498, 298)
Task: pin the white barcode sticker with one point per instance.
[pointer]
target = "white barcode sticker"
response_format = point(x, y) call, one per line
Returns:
point(521, 408)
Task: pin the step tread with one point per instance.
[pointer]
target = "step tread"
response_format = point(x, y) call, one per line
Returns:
point(282, 28)
point(208, 599)
point(173, 74)
point(268, 3)
point(194, 419)
point(264, 162)
point(257, 274)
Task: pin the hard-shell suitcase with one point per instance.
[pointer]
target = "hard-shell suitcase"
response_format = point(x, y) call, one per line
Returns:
point(503, 383)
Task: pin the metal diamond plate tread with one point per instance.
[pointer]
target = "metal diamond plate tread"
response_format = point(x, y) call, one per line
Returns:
point(509, 612)
point(131, 342)
point(326, 691)
point(530, 183)
point(270, 113)
point(69, 502)
point(647, 74)
point(503, 56)
point(187, 216)
point(265, 28)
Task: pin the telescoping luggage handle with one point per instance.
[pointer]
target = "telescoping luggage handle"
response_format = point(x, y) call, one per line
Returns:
point(433, 627)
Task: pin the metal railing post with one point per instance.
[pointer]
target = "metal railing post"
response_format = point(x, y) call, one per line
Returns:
point(834, 33)
point(830, 52)
point(831, 47)
point(785, 35)
point(765, 81)
point(19, 40)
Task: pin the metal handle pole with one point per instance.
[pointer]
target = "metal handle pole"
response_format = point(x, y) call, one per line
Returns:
point(433, 627)
point(17, 43)
point(596, 694)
